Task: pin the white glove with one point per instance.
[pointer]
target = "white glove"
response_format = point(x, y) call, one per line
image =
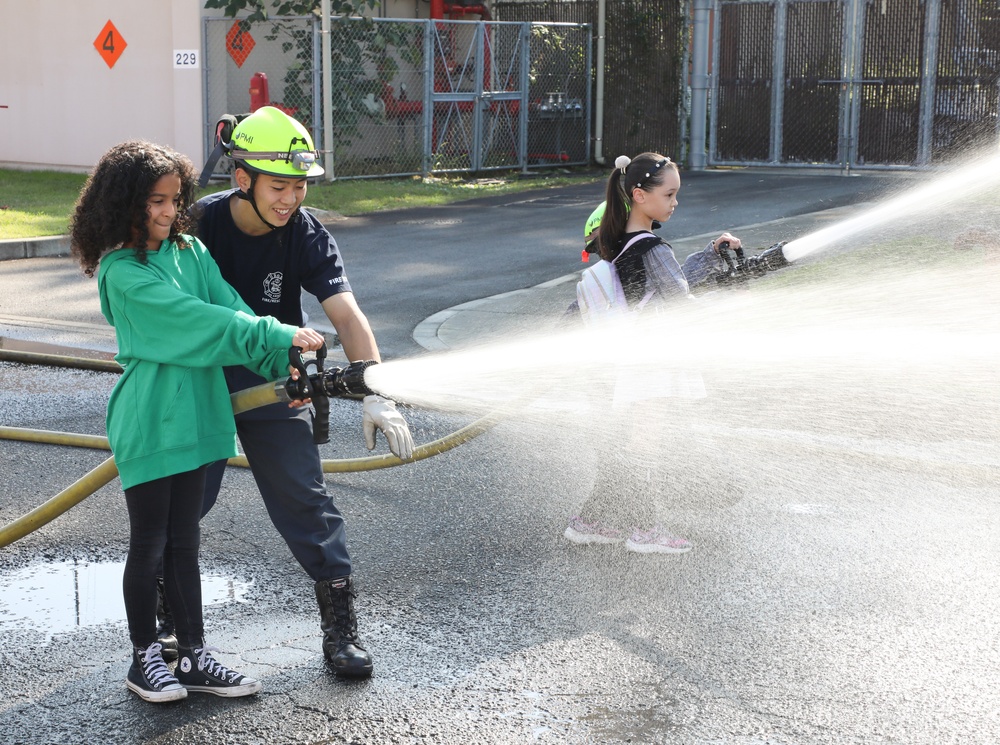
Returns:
point(381, 412)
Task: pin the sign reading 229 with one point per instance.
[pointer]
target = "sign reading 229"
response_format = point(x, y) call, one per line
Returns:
point(186, 58)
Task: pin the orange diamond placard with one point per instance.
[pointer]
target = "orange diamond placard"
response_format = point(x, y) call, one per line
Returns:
point(239, 43)
point(110, 44)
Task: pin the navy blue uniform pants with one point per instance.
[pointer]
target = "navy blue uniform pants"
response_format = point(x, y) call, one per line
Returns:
point(286, 466)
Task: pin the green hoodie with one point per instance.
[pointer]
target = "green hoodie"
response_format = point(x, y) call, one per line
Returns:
point(177, 322)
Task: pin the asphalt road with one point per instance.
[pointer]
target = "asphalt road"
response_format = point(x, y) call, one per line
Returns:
point(847, 594)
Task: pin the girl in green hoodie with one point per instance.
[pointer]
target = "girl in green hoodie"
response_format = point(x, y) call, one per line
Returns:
point(177, 322)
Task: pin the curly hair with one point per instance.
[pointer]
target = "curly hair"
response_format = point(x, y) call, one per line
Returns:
point(644, 171)
point(111, 211)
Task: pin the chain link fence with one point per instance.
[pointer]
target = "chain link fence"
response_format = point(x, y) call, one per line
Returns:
point(245, 65)
point(914, 82)
point(967, 79)
point(645, 77)
point(413, 96)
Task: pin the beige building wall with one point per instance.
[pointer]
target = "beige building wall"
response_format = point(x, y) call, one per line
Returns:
point(62, 107)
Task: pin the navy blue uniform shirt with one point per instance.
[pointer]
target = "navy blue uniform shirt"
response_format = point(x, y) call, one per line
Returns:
point(270, 271)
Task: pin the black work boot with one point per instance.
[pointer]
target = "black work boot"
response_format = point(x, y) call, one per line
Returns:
point(165, 624)
point(341, 646)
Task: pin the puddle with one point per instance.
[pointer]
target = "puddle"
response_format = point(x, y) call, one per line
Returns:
point(64, 595)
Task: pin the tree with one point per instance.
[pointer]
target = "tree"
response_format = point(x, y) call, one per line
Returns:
point(257, 9)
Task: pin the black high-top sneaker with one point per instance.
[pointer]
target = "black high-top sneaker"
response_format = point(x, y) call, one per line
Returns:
point(198, 670)
point(150, 679)
point(165, 624)
point(341, 645)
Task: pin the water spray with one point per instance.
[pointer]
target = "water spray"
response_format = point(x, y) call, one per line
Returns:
point(943, 189)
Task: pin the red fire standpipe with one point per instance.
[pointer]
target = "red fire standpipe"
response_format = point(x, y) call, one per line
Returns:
point(480, 10)
point(439, 9)
point(259, 95)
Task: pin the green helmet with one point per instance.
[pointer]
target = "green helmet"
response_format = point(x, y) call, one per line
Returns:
point(593, 226)
point(269, 141)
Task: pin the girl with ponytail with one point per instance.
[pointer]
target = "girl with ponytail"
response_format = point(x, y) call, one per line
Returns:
point(635, 481)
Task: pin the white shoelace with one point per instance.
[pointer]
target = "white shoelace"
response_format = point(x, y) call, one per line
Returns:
point(153, 666)
point(212, 666)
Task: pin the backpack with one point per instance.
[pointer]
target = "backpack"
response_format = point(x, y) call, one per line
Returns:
point(599, 292)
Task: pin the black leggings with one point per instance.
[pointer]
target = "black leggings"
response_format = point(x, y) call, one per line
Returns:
point(163, 515)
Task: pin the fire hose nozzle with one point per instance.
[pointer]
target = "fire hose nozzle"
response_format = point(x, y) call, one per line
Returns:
point(740, 268)
point(346, 382)
point(768, 260)
point(337, 382)
point(321, 385)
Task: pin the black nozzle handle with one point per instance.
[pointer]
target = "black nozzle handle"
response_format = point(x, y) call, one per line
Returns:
point(723, 250)
point(302, 387)
point(308, 386)
point(321, 404)
point(735, 270)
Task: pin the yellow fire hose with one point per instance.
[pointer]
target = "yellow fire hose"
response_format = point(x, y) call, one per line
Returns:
point(58, 360)
point(71, 496)
point(251, 398)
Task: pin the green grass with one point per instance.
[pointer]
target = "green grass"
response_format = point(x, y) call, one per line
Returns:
point(36, 203)
point(39, 203)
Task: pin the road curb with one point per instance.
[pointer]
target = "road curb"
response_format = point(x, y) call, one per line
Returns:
point(32, 248)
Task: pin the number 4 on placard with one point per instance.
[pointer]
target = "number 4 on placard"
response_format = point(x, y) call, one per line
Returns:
point(110, 44)
point(186, 59)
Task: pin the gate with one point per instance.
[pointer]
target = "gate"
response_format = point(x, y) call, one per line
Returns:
point(853, 83)
point(414, 96)
point(477, 96)
point(645, 68)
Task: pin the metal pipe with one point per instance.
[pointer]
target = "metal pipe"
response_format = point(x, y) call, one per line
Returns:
point(699, 83)
point(778, 87)
point(327, 91)
point(928, 82)
point(599, 97)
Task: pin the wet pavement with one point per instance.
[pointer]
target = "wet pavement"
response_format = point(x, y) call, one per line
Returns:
point(848, 595)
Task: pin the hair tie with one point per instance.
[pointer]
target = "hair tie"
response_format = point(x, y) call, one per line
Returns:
point(621, 163)
point(654, 169)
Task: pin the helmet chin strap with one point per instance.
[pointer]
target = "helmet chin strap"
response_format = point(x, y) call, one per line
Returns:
point(248, 195)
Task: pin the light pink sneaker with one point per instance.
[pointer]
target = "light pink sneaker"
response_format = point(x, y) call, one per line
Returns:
point(657, 541)
point(579, 531)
